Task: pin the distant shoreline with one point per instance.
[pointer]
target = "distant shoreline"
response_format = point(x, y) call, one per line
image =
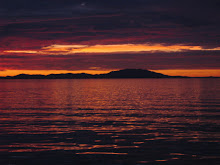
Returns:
point(121, 74)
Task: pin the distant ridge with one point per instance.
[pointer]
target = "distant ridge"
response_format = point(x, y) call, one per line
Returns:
point(134, 73)
point(125, 73)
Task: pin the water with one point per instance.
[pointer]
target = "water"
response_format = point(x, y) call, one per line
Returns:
point(110, 121)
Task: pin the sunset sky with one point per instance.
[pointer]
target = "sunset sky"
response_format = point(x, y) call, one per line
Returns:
point(97, 36)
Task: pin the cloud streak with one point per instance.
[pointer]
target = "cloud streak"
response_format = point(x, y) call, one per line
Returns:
point(103, 49)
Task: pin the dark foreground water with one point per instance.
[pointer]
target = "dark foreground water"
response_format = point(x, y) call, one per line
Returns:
point(110, 121)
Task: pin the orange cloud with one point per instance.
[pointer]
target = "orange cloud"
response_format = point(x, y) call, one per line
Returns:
point(71, 49)
point(21, 51)
point(126, 48)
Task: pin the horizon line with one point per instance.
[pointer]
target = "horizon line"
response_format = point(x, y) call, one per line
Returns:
point(62, 72)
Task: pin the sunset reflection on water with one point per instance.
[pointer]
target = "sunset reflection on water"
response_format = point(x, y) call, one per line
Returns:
point(172, 118)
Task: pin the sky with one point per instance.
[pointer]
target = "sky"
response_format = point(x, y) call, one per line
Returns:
point(174, 37)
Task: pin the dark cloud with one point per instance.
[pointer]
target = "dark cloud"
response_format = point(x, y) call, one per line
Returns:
point(12, 57)
point(181, 60)
point(26, 24)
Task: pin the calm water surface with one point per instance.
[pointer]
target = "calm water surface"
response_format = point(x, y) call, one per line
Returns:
point(110, 121)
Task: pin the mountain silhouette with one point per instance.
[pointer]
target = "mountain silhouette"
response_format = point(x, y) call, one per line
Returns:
point(134, 73)
point(125, 73)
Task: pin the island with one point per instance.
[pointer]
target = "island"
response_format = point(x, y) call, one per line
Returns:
point(125, 73)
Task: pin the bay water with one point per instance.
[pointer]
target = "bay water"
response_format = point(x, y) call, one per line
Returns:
point(110, 121)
